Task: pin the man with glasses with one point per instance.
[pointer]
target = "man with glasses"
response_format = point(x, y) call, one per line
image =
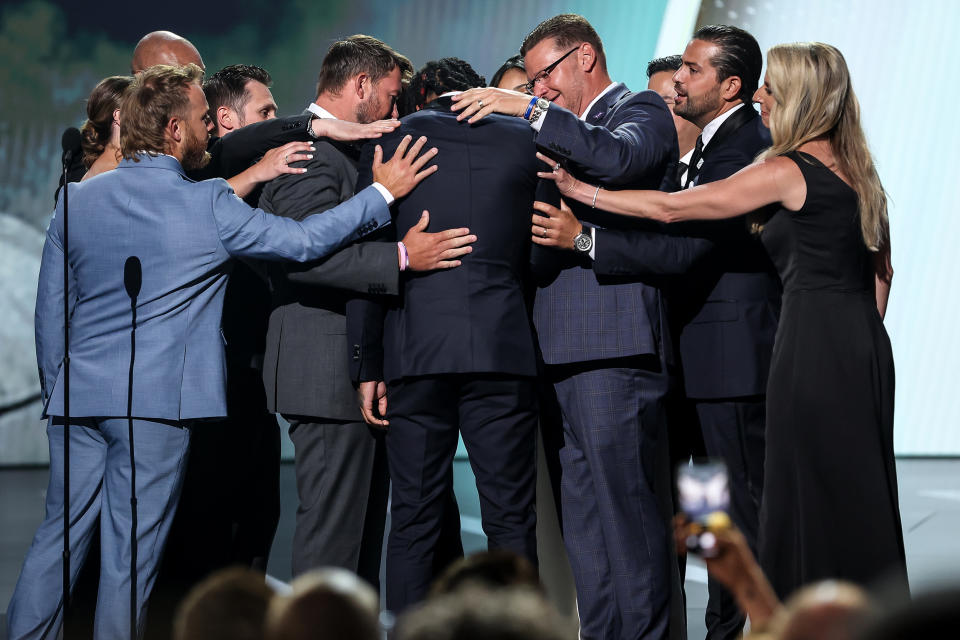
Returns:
point(604, 340)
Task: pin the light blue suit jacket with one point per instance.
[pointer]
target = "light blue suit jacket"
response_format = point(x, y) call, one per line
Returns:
point(184, 234)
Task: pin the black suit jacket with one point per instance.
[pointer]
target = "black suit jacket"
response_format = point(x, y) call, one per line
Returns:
point(305, 367)
point(726, 305)
point(473, 318)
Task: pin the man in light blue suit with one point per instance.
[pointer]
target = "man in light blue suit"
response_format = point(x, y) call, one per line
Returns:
point(183, 234)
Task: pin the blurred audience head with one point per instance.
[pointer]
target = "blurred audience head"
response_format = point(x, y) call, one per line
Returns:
point(239, 95)
point(511, 75)
point(366, 75)
point(229, 605)
point(490, 569)
point(164, 47)
point(829, 610)
point(565, 62)
point(930, 615)
point(327, 603)
point(103, 116)
point(477, 613)
point(721, 67)
point(164, 111)
point(436, 78)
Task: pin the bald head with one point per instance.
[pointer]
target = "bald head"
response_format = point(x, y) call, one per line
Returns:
point(164, 47)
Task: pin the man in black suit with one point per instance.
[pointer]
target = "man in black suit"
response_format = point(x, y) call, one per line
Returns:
point(728, 300)
point(457, 352)
point(341, 468)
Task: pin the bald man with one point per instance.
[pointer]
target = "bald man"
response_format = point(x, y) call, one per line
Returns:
point(164, 47)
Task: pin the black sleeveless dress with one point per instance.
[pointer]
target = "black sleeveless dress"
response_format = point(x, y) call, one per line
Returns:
point(830, 507)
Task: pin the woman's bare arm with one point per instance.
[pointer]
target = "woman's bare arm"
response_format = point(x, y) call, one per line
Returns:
point(757, 185)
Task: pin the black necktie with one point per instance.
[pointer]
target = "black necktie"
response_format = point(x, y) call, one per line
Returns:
point(681, 169)
point(694, 163)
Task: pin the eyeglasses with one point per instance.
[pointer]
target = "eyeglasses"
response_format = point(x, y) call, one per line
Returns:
point(543, 75)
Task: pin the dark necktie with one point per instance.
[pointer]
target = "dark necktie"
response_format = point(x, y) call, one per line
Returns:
point(694, 163)
point(681, 169)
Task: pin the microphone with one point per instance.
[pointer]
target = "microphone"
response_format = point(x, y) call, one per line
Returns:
point(71, 143)
point(132, 275)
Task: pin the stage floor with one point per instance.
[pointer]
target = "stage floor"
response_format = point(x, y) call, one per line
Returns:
point(929, 503)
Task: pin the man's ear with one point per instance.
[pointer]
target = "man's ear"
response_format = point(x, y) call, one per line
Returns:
point(587, 57)
point(361, 85)
point(730, 88)
point(225, 118)
point(175, 129)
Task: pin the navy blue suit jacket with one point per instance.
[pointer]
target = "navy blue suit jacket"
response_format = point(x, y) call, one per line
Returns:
point(727, 303)
point(628, 140)
point(472, 318)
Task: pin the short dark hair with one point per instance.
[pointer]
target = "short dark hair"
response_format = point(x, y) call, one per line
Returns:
point(228, 87)
point(666, 63)
point(739, 55)
point(439, 76)
point(359, 54)
point(568, 29)
point(513, 62)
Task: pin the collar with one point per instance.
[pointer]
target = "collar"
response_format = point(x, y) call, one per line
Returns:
point(583, 116)
point(320, 112)
point(708, 131)
point(144, 160)
point(686, 157)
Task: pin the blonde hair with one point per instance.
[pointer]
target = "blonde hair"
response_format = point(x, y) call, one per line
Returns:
point(811, 84)
point(155, 96)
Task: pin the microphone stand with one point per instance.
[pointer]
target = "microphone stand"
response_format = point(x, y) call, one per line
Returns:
point(66, 399)
point(132, 280)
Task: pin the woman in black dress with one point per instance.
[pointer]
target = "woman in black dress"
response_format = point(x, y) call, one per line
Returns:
point(830, 506)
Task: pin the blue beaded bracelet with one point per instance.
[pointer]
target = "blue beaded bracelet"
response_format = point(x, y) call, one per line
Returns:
point(533, 101)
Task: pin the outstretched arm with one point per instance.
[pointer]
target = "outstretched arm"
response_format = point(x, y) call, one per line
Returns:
point(755, 186)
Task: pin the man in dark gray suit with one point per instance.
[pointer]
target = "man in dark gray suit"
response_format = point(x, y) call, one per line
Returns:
point(341, 470)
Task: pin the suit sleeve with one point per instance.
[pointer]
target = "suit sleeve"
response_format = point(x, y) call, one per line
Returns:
point(240, 148)
point(365, 315)
point(368, 267)
point(254, 233)
point(48, 317)
point(641, 141)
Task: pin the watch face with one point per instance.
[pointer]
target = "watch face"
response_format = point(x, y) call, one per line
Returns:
point(543, 103)
point(583, 243)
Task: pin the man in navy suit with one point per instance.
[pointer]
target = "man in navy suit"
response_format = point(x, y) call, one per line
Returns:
point(456, 350)
point(604, 340)
point(182, 235)
point(727, 300)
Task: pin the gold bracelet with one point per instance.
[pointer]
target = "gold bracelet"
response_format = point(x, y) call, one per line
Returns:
point(593, 205)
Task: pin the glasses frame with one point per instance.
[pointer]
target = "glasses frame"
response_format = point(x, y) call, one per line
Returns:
point(544, 73)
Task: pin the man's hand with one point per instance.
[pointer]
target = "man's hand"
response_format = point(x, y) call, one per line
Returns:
point(429, 251)
point(275, 162)
point(344, 131)
point(368, 394)
point(478, 103)
point(403, 172)
point(557, 227)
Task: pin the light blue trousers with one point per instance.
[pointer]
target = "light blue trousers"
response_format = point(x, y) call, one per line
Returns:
point(100, 485)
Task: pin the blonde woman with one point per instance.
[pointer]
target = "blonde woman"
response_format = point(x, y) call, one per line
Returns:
point(830, 506)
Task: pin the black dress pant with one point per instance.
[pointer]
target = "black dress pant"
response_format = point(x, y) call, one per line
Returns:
point(497, 417)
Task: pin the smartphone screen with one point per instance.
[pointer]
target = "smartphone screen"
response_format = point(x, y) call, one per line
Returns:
point(703, 488)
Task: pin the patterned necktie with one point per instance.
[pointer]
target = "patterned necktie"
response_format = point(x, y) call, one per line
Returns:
point(694, 163)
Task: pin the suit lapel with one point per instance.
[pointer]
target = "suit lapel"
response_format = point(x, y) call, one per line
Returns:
point(600, 112)
point(730, 126)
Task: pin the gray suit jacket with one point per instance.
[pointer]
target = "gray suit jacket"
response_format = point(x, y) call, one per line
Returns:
point(184, 234)
point(305, 366)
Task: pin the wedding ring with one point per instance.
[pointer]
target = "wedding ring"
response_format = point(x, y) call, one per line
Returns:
point(556, 167)
point(480, 103)
point(286, 159)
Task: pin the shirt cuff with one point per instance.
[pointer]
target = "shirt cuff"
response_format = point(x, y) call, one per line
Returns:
point(384, 192)
point(593, 245)
point(536, 124)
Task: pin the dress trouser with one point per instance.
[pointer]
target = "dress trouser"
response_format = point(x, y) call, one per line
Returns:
point(497, 417)
point(733, 430)
point(613, 519)
point(342, 486)
point(100, 486)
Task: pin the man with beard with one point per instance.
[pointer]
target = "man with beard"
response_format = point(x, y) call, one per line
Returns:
point(149, 248)
point(340, 466)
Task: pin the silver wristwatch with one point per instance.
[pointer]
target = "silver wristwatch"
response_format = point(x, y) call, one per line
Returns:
point(583, 241)
point(539, 108)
